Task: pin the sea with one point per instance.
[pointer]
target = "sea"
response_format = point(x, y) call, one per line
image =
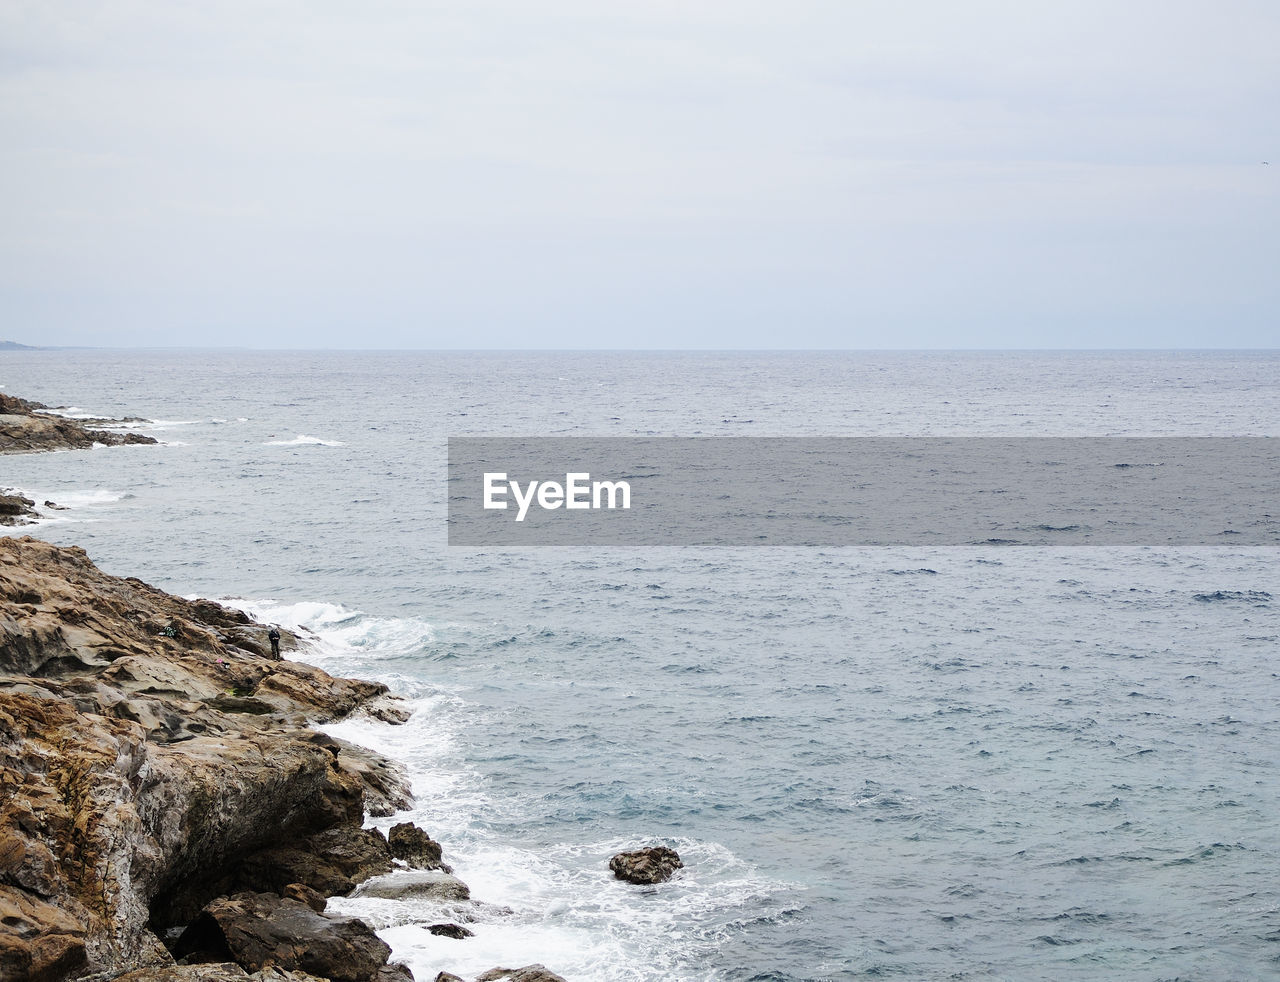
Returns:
point(924, 763)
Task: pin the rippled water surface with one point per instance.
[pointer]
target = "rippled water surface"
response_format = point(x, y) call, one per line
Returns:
point(962, 763)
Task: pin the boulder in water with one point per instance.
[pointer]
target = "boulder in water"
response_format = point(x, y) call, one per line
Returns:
point(652, 865)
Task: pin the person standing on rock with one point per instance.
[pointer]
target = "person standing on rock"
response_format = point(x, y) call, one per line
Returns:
point(274, 637)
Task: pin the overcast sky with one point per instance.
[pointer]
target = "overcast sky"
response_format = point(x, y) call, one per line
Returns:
point(641, 173)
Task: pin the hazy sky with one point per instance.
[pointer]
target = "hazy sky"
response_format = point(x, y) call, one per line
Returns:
point(641, 173)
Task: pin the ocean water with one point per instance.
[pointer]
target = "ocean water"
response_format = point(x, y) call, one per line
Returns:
point(959, 763)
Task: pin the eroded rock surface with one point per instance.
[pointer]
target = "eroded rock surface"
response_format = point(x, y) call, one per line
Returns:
point(261, 930)
point(28, 427)
point(149, 746)
point(224, 972)
point(530, 973)
point(415, 847)
point(16, 509)
point(655, 864)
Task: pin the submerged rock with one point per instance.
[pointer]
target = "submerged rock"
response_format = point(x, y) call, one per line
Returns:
point(456, 931)
point(655, 864)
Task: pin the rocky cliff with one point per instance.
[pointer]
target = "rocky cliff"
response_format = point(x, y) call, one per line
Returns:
point(153, 758)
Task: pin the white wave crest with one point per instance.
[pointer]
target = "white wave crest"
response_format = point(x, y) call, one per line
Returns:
point(302, 440)
point(87, 499)
point(342, 633)
point(558, 903)
point(561, 906)
point(68, 506)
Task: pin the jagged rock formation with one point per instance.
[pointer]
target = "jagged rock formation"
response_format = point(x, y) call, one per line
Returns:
point(225, 972)
point(28, 427)
point(261, 930)
point(415, 847)
point(152, 757)
point(655, 864)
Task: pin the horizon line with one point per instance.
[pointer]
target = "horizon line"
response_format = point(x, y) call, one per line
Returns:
point(585, 350)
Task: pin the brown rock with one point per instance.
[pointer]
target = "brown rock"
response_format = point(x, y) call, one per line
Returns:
point(386, 783)
point(219, 972)
point(415, 847)
point(305, 895)
point(130, 789)
point(26, 427)
point(530, 973)
point(331, 862)
point(652, 865)
point(40, 942)
point(258, 930)
point(16, 509)
point(214, 972)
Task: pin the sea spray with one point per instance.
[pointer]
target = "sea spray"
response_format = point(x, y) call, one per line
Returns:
point(533, 899)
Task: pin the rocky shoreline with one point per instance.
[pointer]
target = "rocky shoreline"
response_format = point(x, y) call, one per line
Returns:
point(166, 810)
point(152, 754)
point(167, 813)
point(31, 427)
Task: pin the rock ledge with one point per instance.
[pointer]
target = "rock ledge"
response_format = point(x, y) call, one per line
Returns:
point(138, 786)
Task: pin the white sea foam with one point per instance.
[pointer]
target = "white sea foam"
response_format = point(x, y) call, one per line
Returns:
point(108, 423)
point(555, 904)
point(342, 633)
point(87, 499)
point(561, 907)
point(162, 424)
point(302, 440)
point(73, 506)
